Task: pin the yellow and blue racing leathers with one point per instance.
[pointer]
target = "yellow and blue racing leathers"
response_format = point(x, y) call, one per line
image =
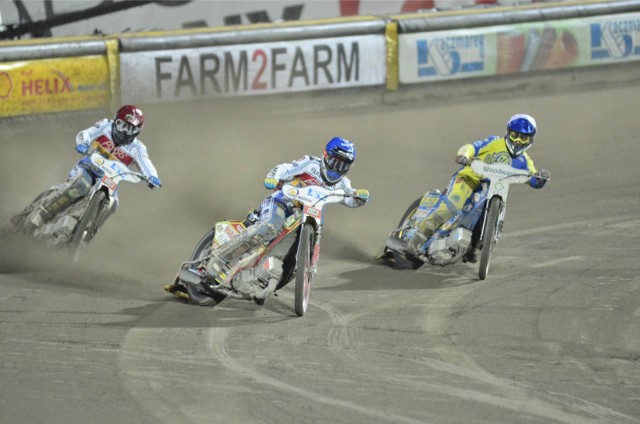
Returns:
point(464, 182)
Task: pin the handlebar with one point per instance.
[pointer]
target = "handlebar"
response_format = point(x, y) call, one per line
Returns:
point(99, 171)
point(514, 174)
point(313, 194)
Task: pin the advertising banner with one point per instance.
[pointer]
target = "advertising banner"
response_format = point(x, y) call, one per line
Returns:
point(615, 39)
point(506, 49)
point(53, 85)
point(253, 69)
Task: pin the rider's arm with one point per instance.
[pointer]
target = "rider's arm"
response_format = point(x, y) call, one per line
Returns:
point(142, 159)
point(351, 202)
point(534, 181)
point(464, 154)
point(287, 171)
point(88, 135)
point(473, 150)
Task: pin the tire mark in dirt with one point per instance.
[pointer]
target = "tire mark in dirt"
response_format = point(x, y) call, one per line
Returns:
point(217, 347)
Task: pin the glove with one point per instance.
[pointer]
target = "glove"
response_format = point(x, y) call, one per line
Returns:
point(270, 183)
point(82, 148)
point(462, 160)
point(541, 178)
point(543, 174)
point(362, 195)
point(154, 182)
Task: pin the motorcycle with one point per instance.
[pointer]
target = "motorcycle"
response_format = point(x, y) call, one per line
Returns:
point(75, 226)
point(477, 226)
point(294, 253)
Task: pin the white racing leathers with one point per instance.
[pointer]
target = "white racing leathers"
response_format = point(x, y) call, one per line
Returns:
point(308, 171)
point(134, 152)
point(81, 178)
point(276, 208)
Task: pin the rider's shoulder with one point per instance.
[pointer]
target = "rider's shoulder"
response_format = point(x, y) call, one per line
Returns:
point(100, 125)
point(103, 122)
point(304, 160)
point(485, 141)
point(344, 183)
point(139, 144)
point(522, 161)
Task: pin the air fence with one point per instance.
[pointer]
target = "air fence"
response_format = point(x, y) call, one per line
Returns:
point(394, 52)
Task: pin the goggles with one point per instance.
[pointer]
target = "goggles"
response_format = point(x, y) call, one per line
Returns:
point(519, 138)
point(126, 127)
point(338, 165)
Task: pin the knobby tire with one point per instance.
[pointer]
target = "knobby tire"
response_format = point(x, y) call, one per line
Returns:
point(303, 273)
point(87, 228)
point(489, 238)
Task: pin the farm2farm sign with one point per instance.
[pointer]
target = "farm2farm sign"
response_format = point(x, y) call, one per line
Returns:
point(253, 69)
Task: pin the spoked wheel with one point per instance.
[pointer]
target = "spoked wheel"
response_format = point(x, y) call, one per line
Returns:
point(304, 273)
point(489, 238)
point(20, 221)
point(198, 253)
point(89, 223)
point(398, 260)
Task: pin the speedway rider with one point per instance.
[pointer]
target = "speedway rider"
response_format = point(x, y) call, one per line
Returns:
point(510, 149)
point(117, 140)
point(329, 172)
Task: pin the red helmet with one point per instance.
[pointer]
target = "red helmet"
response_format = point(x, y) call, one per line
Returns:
point(127, 124)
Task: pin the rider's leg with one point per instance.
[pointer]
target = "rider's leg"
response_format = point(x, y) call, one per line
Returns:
point(471, 255)
point(76, 187)
point(452, 200)
point(271, 219)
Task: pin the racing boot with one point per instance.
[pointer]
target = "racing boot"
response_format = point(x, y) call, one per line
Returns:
point(470, 257)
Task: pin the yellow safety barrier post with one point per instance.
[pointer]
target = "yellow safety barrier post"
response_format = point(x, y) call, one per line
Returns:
point(391, 34)
point(113, 60)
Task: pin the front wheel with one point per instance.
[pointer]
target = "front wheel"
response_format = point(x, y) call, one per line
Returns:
point(304, 274)
point(89, 223)
point(489, 237)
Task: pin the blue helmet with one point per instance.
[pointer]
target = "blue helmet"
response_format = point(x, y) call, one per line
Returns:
point(339, 154)
point(521, 130)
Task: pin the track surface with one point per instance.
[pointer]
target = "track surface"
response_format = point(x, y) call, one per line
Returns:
point(552, 335)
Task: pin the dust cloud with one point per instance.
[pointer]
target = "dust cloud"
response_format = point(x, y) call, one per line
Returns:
point(212, 157)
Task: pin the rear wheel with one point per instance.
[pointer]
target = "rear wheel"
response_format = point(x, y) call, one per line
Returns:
point(89, 223)
point(201, 249)
point(489, 237)
point(305, 267)
point(396, 259)
point(20, 221)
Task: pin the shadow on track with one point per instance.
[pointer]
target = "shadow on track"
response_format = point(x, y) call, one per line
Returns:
point(381, 277)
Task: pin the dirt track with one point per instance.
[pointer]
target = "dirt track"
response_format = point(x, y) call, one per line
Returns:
point(553, 335)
